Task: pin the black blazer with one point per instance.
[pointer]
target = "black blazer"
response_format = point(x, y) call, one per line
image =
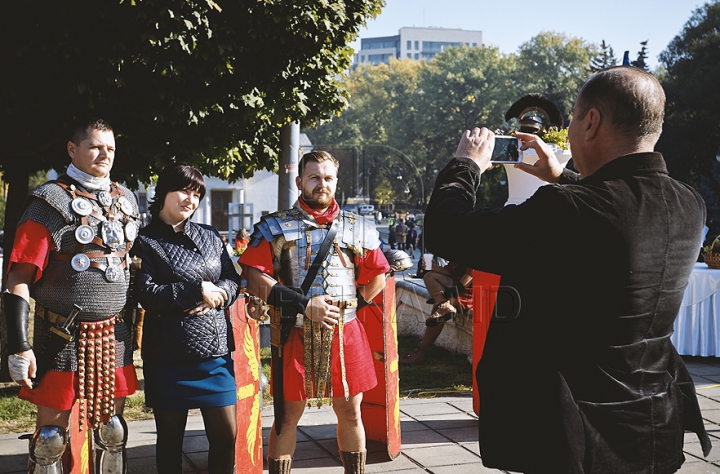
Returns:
point(174, 265)
point(585, 379)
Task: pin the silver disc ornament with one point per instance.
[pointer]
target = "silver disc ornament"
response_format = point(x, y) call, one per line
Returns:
point(114, 273)
point(84, 234)
point(104, 198)
point(125, 206)
point(131, 231)
point(80, 262)
point(81, 206)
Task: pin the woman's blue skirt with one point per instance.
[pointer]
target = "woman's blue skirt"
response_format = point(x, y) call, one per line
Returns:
point(190, 384)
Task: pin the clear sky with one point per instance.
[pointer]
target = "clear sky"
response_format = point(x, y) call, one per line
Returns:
point(623, 24)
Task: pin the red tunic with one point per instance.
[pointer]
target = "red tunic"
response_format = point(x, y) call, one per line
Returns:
point(359, 368)
point(58, 390)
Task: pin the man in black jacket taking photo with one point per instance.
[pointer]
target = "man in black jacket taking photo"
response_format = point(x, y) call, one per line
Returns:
point(585, 379)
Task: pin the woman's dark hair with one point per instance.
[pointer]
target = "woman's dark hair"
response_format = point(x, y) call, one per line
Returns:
point(176, 177)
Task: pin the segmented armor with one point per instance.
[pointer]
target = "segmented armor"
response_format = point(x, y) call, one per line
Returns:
point(295, 238)
point(291, 232)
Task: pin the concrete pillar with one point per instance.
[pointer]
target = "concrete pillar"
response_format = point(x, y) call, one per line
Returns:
point(288, 165)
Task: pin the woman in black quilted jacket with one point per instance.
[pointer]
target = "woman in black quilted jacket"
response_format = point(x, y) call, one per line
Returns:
point(185, 284)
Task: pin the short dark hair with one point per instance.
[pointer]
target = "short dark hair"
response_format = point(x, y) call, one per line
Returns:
point(317, 156)
point(630, 98)
point(80, 129)
point(176, 177)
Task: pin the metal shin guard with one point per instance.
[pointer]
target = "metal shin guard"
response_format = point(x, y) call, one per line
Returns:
point(110, 441)
point(47, 446)
point(353, 462)
point(279, 466)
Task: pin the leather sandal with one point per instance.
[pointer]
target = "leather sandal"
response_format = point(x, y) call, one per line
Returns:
point(444, 313)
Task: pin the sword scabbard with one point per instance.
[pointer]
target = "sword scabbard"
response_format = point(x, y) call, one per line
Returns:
point(277, 383)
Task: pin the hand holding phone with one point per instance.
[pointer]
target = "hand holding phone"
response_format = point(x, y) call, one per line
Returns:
point(507, 150)
point(475, 145)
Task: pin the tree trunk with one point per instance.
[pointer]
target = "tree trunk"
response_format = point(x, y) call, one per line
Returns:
point(17, 179)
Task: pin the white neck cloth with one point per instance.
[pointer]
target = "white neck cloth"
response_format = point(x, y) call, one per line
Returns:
point(88, 181)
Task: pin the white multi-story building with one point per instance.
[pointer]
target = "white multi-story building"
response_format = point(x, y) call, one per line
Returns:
point(414, 43)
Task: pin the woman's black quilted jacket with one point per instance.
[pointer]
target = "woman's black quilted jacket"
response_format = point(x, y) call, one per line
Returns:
point(174, 265)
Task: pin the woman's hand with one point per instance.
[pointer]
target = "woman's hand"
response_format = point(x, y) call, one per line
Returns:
point(200, 309)
point(213, 295)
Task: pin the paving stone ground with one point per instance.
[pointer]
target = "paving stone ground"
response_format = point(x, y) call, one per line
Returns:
point(439, 436)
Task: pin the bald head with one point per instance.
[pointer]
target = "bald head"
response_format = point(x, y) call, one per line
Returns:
point(630, 101)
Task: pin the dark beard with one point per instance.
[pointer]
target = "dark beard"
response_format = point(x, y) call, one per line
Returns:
point(317, 204)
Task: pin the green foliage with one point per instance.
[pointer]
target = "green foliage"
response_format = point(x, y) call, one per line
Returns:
point(3, 205)
point(463, 88)
point(691, 133)
point(558, 137)
point(713, 247)
point(35, 180)
point(420, 109)
point(208, 82)
point(16, 416)
point(135, 408)
point(265, 364)
point(641, 57)
point(383, 105)
point(442, 370)
point(604, 59)
point(12, 408)
point(556, 66)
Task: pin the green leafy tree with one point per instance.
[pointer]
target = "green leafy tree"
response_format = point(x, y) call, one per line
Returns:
point(556, 66)
point(207, 81)
point(642, 55)
point(420, 109)
point(414, 111)
point(377, 124)
point(691, 134)
point(383, 102)
point(604, 59)
point(463, 88)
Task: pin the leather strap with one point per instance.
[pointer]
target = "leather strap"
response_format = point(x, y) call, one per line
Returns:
point(114, 190)
point(320, 257)
point(349, 304)
point(69, 256)
point(50, 316)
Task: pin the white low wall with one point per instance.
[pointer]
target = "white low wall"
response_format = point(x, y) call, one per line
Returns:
point(412, 311)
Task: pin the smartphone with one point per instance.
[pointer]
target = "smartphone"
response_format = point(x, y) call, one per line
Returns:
point(507, 150)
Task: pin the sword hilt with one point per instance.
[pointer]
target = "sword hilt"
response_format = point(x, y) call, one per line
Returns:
point(64, 331)
point(71, 317)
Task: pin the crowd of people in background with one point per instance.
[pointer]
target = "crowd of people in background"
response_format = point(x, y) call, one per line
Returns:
point(404, 234)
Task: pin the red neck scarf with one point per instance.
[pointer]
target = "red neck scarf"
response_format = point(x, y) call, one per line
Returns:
point(321, 217)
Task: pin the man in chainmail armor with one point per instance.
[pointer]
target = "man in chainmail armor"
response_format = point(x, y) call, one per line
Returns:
point(327, 352)
point(71, 256)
